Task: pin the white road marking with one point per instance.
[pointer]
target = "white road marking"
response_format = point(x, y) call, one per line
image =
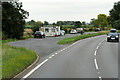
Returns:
point(50, 57)
point(56, 53)
point(96, 65)
point(99, 43)
point(53, 55)
point(100, 77)
point(33, 70)
point(97, 47)
point(95, 53)
point(95, 60)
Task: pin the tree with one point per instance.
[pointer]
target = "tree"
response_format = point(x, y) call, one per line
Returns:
point(77, 24)
point(115, 15)
point(36, 26)
point(95, 22)
point(13, 19)
point(46, 23)
point(83, 23)
point(102, 19)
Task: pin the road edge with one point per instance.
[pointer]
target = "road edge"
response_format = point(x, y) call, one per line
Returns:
point(27, 67)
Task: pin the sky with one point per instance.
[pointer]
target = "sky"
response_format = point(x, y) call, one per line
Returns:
point(66, 10)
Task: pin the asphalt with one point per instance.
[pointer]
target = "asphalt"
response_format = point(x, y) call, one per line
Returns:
point(76, 61)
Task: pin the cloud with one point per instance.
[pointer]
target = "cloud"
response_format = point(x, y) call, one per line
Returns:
point(54, 10)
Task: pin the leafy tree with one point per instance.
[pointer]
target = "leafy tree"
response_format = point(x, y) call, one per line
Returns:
point(36, 26)
point(83, 23)
point(77, 24)
point(13, 19)
point(102, 19)
point(115, 15)
point(46, 23)
point(95, 22)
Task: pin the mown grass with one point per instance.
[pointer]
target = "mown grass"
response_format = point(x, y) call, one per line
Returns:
point(15, 60)
point(79, 37)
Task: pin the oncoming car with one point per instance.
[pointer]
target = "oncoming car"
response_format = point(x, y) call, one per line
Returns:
point(39, 34)
point(113, 36)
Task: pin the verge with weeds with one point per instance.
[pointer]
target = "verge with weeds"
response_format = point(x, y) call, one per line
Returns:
point(15, 60)
point(79, 37)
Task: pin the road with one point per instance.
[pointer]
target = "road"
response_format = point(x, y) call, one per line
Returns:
point(91, 58)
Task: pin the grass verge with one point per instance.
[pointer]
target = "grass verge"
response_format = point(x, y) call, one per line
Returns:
point(79, 37)
point(15, 60)
point(118, 31)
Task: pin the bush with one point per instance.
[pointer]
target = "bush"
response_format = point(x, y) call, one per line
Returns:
point(4, 36)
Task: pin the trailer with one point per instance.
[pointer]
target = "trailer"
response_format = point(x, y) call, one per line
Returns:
point(51, 31)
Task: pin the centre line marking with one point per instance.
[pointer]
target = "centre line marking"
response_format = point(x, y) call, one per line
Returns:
point(53, 55)
point(96, 65)
point(100, 77)
point(56, 53)
point(33, 70)
point(95, 53)
point(97, 47)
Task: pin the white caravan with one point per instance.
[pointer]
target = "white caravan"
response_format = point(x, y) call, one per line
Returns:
point(51, 31)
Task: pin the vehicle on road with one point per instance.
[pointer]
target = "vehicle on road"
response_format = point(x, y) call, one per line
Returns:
point(113, 36)
point(80, 30)
point(39, 34)
point(62, 32)
point(97, 29)
point(51, 30)
point(73, 31)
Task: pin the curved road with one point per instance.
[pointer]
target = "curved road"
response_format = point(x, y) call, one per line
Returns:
point(91, 58)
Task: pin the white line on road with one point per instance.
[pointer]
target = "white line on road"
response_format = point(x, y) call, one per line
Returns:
point(95, 53)
point(33, 70)
point(53, 55)
point(56, 53)
point(96, 65)
point(97, 47)
point(100, 77)
point(50, 57)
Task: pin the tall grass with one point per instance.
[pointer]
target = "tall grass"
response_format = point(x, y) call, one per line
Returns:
point(14, 60)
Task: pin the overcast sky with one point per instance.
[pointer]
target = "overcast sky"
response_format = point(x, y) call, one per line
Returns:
point(63, 10)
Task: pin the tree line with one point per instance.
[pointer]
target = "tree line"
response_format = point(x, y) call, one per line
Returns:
point(13, 20)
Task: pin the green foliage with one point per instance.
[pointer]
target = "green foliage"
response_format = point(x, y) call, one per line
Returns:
point(115, 15)
point(79, 37)
point(3, 36)
point(13, 18)
point(77, 24)
point(46, 23)
point(65, 23)
point(102, 20)
point(15, 60)
point(36, 26)
point(116, 24)
point(95, 22)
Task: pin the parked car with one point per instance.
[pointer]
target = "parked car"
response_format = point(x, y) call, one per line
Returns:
point(62, 32)
point(97, 29)
point(39, 34)
point(113, 36)
point(73, 31)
